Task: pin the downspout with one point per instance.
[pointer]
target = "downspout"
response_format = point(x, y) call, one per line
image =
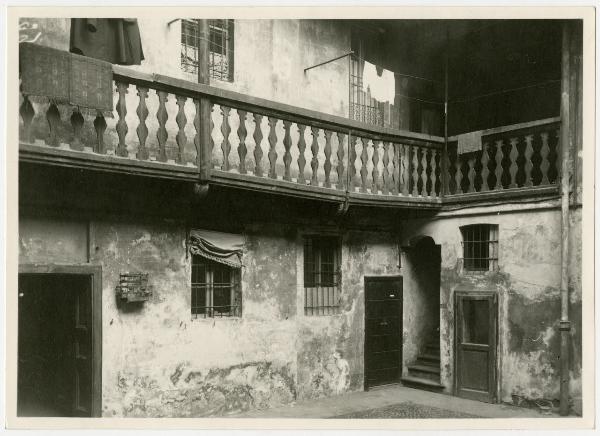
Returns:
point(565, 142)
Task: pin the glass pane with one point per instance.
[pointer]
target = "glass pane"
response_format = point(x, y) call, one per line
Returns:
point(476, 318)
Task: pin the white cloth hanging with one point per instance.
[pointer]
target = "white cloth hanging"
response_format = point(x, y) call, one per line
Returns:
point(382, 87)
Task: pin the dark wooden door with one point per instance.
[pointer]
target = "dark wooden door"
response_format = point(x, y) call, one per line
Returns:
point(56, 359)
point(383, 330)
point(476, 317)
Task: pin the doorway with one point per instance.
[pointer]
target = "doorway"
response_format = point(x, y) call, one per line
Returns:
point(383, 330)
point(59, 342)
point(476, 318)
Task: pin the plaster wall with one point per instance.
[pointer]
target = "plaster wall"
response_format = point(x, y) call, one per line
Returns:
point(158, 360)
point(528, 288)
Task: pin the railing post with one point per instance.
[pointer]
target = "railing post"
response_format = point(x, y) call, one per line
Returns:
point(205, 105)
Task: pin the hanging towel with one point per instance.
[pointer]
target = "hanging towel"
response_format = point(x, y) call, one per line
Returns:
point(225, 248)
point(381, 86)
point(48, 74)
point(469, 142)
point(114, 40)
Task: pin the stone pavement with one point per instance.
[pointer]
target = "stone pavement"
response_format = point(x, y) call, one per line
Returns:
point(393, 402)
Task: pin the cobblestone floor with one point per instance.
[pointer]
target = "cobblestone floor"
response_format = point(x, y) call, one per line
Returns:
point(405, 410)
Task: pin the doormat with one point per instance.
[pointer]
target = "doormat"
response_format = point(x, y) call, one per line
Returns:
point(407, 410)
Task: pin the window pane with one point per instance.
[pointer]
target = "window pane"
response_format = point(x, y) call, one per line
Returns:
point(476, 317)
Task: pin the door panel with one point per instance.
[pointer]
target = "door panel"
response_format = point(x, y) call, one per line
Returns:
point(82, 345)
point(475, 345)
point(383, 330)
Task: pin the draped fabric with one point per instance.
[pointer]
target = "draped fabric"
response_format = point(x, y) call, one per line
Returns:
point(225, 248)
point(114, 40)
point(48, 74)
point(469, 142)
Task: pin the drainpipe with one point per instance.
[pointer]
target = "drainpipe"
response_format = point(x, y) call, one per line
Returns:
point(565, 141)
point(204, 151)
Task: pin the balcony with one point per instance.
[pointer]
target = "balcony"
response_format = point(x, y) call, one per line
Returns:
point(157, 130)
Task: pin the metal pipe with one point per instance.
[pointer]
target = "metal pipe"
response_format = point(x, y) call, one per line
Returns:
point(330, 60)
point(565, 142)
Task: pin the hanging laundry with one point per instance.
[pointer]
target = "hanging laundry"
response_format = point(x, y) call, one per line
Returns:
point(382, 86)
point(469, 142)
point(114, 40)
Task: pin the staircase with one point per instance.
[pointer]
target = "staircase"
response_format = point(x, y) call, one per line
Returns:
point(424, 373)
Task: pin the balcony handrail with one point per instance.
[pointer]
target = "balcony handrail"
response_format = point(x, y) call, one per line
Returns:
point(513, 127)
point(268, 107)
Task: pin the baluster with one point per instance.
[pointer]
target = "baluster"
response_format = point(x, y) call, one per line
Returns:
point(424, 165)
point(53, 118)
point(485, 171)
point(396, 168)
point(352, 161)
point(528, 163)
point(415, 173)
point(258, 153)
point(545, 163)
point(375, 173)
point(327, 164)
point(122, 124)
point(445, 174)
point(514, 154)
point(340, 155)
point(162, 133)
point(471, 171)
point(197, 135)
point(364, 156)
point(100, 127)
point(433, 175)
point(314, 163)
point(272, 155)
point(142, 129)
point(287, 144)
point(225, 144)
point(27, 113)
point(77, 124)
point(458, 176)
point(406, 173)
point(301, 150)
point(499, 170)
point(181, 120)
point(385, 176)
point(242, 132)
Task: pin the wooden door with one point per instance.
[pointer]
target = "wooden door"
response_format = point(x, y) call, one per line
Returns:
point(82, 348)
point(383, 330)
point(476, 317)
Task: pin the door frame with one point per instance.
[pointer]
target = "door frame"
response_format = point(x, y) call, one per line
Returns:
point(94, 272)
point(493, 366)
point(401, 323)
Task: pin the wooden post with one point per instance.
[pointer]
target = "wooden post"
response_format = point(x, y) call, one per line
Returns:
point(565, 143)
point(205, 106)
point(445, 159)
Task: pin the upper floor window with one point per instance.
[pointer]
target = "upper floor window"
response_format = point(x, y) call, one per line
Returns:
point(480, 247)
point(321, 275)
point(220, 48)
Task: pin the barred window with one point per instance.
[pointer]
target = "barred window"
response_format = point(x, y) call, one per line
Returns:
point(480, 247)
point(220, 48)
point(321, 276)
point(216, 290)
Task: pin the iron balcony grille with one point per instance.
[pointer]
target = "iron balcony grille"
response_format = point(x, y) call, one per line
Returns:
point(221, 48)
point(216, 290)
point(480, 247)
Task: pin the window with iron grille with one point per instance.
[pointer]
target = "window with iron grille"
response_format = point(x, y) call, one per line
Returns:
point(362, 106)
point(321, 275)
point(216, 290)
point(480, 247)
point(220, 48)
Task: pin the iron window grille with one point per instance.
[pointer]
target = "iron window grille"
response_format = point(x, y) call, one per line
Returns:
point(362, 106)
point(220, 48)
point(321, 276)
point(480, 247)
point(216, 289)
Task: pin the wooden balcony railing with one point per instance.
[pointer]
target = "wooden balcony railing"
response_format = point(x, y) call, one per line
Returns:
point(259, 144)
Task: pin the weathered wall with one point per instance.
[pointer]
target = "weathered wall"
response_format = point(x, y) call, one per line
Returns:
point(527, 285)
point(269, 57)
point(160, 361)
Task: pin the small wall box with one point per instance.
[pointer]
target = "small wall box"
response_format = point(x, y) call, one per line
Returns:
point(133, 287)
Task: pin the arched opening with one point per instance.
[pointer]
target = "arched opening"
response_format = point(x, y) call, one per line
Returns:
point(422, 313)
